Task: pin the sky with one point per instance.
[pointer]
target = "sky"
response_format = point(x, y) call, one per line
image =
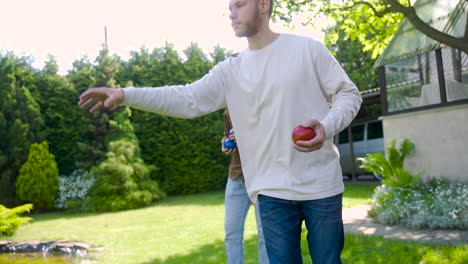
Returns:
point(69, 29)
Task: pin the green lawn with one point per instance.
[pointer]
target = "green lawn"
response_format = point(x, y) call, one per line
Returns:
point(189, 229)
point(357, 194)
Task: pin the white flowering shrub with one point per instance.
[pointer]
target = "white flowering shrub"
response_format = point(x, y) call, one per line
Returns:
point(435, 205)
point(73, 187)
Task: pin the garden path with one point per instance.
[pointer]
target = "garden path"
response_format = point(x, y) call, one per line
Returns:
point(356, 220)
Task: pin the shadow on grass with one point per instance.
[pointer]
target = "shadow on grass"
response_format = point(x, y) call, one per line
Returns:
point(213, 253)
point(359, 249)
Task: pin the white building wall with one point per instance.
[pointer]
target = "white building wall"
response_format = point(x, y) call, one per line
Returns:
point(440, 137)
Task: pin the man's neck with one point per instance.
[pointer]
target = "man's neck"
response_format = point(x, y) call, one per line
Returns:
point(260, 40)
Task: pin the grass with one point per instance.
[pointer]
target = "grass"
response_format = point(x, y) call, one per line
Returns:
point(189, 229)
point(357, 194)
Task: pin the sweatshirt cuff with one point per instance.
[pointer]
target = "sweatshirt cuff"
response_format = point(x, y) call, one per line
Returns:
point(328, 127)
point(128, 92)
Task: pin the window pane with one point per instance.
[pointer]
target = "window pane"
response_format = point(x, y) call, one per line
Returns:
point(412, 82)
point(374, 130)
point(455, 73)
point(343, 136)
point(358, 132)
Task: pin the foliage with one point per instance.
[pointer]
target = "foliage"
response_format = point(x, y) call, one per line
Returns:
point(197, 63)
point(436, 205)
point(55, 95)
point(38, 177)
point(93, 148)
point(372, 22)
point(43, 105)
point(107, 66)
point(73, 187)
point(357, 63)
point(10, 219)
point(82, 75)
point(219, 54)
point(391, 168)
point(21, 122)
point(358, 21)
point(123, 180)
point(186, 151)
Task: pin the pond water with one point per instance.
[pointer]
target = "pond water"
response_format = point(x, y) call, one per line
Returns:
point(36, 258)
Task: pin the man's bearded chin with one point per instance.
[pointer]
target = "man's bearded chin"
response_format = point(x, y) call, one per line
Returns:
point(253, 27)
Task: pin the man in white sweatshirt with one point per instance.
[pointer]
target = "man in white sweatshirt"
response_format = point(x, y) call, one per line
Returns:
point(278, 82)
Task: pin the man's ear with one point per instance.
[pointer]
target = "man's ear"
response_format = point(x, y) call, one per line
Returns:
point(264, 6)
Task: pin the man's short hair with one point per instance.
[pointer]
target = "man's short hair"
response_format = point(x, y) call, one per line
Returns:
point(271, 7)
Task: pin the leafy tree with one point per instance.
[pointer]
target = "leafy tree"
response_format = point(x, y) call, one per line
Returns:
point(197, 63)
point(21, 122)
point(38, 178)
point(219, 54)
point(51, 66)
point(380, 18)
point(10, 219)
point(357, 63)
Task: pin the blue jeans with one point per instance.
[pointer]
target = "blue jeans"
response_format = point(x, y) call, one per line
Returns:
point(237, 204)
point(282, 224)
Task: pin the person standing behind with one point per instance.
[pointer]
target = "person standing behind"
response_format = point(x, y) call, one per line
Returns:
point(237, 204)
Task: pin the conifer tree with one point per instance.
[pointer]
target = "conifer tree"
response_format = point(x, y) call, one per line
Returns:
point(123, 179)
point(197, 64)
point(56, 97)
point(219, 54)
point(37, 182)
point(97, 128)
point(21, 122)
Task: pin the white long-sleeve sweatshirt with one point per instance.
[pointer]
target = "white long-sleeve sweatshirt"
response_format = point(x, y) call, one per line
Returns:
point(269, 92)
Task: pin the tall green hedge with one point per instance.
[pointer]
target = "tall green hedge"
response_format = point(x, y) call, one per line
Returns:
point(21, 122)
point(187, 152)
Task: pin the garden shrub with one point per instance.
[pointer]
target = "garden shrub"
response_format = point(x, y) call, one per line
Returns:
point(10, 219)
point(391, 168)
point(37, 182)
point(435, 205)
point(73, 187)
point(123, 181)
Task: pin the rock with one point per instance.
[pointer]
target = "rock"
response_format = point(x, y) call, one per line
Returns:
point(62, 247)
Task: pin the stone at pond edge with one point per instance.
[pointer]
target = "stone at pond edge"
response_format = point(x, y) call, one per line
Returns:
point(61, 247)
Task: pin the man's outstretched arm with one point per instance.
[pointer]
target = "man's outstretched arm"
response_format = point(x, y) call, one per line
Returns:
point(184, 101)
